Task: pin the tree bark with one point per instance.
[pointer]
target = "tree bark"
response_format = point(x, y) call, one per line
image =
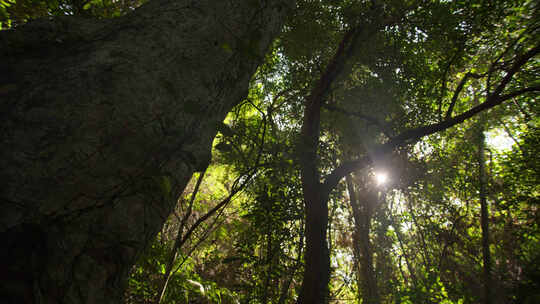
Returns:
point(103, 123)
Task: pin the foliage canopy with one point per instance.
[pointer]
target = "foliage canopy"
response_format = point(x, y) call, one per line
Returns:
point(411, 69)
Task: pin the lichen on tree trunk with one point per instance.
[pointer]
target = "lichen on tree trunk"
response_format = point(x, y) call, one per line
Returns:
point(103, 124)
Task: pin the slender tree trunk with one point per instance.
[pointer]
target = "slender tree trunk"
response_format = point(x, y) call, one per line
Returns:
point(178, 240)
point(287, 284)
point(484, 219)
point(269, 262)
point(367, 282)
point(103, 123)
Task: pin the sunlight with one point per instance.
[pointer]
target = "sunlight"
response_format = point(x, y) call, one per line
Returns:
point(499, 140)
point(381, 178)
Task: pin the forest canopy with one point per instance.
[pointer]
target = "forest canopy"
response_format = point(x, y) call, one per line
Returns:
point(386, 152)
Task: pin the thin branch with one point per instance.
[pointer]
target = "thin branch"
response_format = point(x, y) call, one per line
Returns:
point(236, 187)
point(443, 87)
point(178, 239)
point(205, 235)
point(495, 63)
point(458, 91)
point(528, 116)
point(190, 205)
point(209, 214)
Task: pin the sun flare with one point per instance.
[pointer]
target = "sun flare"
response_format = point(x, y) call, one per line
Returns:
point(381, 178)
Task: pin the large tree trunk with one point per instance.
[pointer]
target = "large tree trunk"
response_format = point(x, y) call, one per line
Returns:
point(317, 256)
point(316, 195)
point(103, 124)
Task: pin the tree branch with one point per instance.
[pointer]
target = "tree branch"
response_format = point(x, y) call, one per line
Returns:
point(310, 131)
point(458, 90)
point(444, 78)
point(413, 135)
point(512, 45)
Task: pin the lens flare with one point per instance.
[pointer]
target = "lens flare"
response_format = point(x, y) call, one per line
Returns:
point(381, 178)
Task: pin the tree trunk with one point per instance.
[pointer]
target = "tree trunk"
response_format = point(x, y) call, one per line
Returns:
point(316, 195)
point(103, 123)
point(484, 219)
point(317, 256)
point(367, 282)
